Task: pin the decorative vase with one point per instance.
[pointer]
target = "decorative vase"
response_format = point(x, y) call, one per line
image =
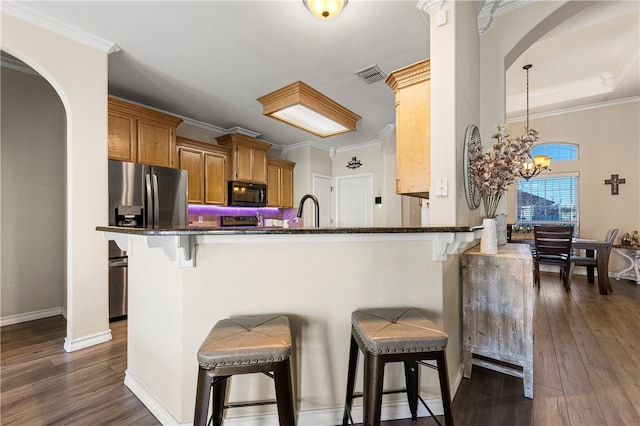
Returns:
point(501, 229)
point(488, 239)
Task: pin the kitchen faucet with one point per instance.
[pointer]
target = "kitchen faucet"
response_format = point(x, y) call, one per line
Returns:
point(317, 207)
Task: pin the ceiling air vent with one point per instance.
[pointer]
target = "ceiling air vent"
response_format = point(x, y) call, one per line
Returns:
point(371, 74)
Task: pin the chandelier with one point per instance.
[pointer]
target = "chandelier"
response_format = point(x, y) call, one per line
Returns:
point(533, 165)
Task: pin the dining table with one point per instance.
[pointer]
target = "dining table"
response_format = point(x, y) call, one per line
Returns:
point(593, 248)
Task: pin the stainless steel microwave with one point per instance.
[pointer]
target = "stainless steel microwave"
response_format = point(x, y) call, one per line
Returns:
point(244, 194)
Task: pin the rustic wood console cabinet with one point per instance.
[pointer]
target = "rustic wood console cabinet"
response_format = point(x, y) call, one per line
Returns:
point(498, 312)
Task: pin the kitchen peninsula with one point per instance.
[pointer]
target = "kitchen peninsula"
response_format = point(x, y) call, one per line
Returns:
point(181, 281)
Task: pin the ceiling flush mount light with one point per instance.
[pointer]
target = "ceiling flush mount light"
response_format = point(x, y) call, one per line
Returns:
point(304, 107)
point(533, 166)
point(325, 9)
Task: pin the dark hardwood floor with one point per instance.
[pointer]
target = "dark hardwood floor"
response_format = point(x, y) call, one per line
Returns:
point(586, 370)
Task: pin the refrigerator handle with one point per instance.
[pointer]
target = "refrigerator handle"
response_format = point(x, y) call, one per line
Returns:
point(149, 203)
point(156, 201)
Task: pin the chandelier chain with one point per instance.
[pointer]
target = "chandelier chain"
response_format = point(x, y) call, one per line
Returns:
point(527, 67)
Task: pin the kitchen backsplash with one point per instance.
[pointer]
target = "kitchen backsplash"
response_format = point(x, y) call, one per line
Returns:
point(209, 216)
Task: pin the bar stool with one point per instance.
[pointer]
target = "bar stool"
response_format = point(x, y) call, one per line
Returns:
point(245, 345)
point(394, 335)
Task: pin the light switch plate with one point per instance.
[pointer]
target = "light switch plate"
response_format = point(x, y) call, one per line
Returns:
point(441, 188)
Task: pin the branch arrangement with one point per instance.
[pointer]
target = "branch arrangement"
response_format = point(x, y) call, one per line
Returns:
point(493, 171)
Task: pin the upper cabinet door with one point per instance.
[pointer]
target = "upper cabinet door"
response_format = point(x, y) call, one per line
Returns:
point(141, 135)
point(286, 198)
point(156, 144)
point(279, 183)
point(412, 88)
point(248, 157)
point(191, 160)
point(208, 168)
point(274, 187)
point(216, 172)
point(259, 166)
point(122, 137)
point(243, 162)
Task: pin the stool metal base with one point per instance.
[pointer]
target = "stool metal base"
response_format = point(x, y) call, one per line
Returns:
point(374, 377)
point(212, 386)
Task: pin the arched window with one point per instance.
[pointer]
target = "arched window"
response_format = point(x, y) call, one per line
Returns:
point(557, 151)
point(549, 198)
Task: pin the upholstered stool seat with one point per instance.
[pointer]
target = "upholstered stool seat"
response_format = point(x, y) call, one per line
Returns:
point(244, 345)
point(394, 335)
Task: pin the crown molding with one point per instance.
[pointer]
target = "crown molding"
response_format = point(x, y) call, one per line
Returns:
point(605, 104)
point(303, 144)
point(199, 124)
point(601, 84)
point(218, 131)
point(20, 11)
point(332, 150)
point(382, 139)
point(486, 10)
point(430, 6)
point(242, 131)
point(370, 144)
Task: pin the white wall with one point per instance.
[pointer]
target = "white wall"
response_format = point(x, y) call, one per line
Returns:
point(596, 130)
point(508, 37)
point(392, 203)
point(608, 140)
point(78, 73)
point(302, 181)
point(454, 52)
point(33, 198)
point(455, 104)
point(370, 155)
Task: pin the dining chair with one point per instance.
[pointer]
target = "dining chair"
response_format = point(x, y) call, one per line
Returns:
point(553, 247)
point(591, 263)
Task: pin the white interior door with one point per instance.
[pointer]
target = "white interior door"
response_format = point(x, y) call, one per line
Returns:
point(322, 191)
point(354, 200)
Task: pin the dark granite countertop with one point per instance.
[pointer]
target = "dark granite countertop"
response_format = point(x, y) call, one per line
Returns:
point(280, 231)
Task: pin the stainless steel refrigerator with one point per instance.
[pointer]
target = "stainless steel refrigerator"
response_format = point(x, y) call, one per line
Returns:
point(141, 196)
point(144, 196)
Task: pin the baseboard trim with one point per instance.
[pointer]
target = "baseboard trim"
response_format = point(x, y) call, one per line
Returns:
point(31, 316)
point(330, 416)
point(150, 401)
point(87, 341)
point(582, 271)
point(457, 380)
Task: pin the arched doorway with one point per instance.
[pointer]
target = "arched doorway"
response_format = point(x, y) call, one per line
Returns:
point(77, 71)
point(33, 192)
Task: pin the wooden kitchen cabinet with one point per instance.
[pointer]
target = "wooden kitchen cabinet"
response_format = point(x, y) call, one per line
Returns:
point(497, 303)
point(141, 135)
point(279, 183)
point(412, 88)
point(208, 168)
point(191, 160)
point(248, 157)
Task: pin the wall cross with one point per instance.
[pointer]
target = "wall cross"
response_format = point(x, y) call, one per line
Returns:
point(614, 182)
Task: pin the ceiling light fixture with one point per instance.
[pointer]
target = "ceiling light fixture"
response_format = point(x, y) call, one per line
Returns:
point(533, 166)
point(305, 108)
point(325, 9)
